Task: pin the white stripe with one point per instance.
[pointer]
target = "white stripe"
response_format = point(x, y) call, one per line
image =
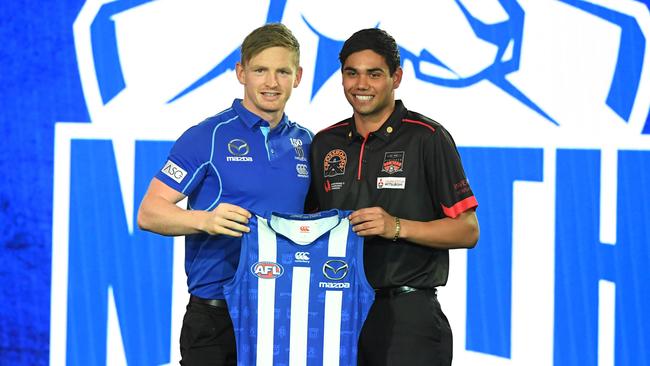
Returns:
point(338, 239)
point(299, 316)
point(267, 245)
point(606, 323)
point(332, 332)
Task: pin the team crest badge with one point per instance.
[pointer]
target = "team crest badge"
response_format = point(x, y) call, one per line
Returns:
point(334, 163)
point(393, 162)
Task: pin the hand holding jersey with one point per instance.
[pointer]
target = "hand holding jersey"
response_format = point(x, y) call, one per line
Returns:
point(449, 233)
point(160, 213)
point(226, 219)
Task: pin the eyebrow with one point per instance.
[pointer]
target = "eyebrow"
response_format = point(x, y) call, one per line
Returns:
point(375, 69)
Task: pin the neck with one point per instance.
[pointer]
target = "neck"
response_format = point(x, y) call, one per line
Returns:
point(273, 122)
point(367, 123)
point(273, 118)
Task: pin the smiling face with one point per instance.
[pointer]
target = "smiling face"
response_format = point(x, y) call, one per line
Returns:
point(268, 79)
point(369, 87)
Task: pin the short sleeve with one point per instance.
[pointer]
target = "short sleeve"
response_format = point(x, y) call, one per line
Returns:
point(447, 180)
point(188, 160)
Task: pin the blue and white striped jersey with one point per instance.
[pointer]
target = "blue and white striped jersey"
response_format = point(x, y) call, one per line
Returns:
point(300, 295)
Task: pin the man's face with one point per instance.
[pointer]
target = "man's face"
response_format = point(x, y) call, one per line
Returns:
point(268, 80)
point(368, 85)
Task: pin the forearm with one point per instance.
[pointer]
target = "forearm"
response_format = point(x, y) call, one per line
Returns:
point(446, 233)
point(165, 218)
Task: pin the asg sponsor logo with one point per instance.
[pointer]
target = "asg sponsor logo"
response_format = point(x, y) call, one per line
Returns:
point(267, 270)
point(238, 148)
point(335, 270)
point(303, 171)
point(302, 257)
point(174, 171)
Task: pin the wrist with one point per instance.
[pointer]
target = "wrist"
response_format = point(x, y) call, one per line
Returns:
point(398, 228)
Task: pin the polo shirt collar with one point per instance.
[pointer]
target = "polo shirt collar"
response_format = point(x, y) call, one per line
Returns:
point(251, 119)
point(386, 130)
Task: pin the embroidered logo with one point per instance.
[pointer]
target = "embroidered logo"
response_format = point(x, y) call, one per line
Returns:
point(297, 147)
point(334, 163)
point(239, 149)
point(303, 170)
point(302, 257)
point(393, 162)
point(335, 269)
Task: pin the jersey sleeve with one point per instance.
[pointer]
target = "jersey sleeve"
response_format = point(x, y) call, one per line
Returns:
point(187, 161)
point(447, 180)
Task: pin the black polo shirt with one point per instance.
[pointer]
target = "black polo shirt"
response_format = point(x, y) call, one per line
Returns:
point(411, 168)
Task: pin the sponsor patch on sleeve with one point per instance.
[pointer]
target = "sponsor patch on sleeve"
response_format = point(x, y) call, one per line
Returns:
point(174, 171)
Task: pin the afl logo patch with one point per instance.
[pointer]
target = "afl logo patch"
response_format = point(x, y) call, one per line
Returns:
point(393, 162)
point(334, 163)
point(267, 270)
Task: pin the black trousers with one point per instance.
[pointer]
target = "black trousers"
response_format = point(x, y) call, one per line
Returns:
point(207, 336)
point(408, 329)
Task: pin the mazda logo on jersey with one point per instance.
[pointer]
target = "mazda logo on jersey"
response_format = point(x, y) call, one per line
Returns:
point(267, 270)
point(335, 269)
point(238, 147)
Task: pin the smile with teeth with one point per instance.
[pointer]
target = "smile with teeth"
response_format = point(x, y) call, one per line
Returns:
point(270, 94)
point(363, 97)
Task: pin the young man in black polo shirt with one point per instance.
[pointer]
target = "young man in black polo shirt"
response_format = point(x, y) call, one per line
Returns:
point(402, 174)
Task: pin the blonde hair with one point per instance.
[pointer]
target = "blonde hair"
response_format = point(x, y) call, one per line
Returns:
point(267, 36)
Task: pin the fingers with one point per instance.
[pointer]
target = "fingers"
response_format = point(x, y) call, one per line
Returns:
point(372, 221)
point(230, 210)
point(229, 219)
point(366, 214)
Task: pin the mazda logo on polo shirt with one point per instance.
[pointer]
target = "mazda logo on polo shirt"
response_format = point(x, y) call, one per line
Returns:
point(238, 147)
point(335, 269)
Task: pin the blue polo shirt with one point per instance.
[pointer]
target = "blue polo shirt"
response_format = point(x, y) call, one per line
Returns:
point(234, 157)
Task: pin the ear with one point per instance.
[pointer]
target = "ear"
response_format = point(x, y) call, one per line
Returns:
point(296, 81)
point(397, 77)
point(241, 74)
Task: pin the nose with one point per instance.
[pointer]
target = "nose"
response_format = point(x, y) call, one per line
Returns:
point(362, 82)
point(271, 80)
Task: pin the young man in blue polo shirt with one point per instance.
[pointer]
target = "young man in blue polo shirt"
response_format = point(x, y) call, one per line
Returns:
point(249, 157)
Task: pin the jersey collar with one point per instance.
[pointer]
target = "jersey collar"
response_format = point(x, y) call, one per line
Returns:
point(386, 130)
point(251, 119)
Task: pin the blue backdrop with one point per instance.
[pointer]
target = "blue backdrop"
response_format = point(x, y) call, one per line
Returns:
point(40, 85)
